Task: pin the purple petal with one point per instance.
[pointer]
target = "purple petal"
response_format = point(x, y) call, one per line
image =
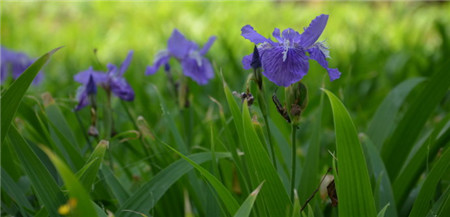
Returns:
point(161, 58)
point(178, 45)
point(201, 73)
point(126, 63)
point(82, 97)
point(318, 54)
point(247, 61)
point(208, 45)
point(120, 87)
point(333, 73)
point(83, 76)
point(284, 72)
point(277, 35)
point(314, 30)
point(249, 33)
point(291, 35)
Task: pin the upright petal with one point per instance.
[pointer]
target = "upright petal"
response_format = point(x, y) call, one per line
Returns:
point(277, 35)
point(284, 73)
point(314, 30)
point(247, 61)
point(319, 54)
point(291, 35)
point(126, 63)
point(208, 45)
point(120, 87)
point(83, 76)
point(201, 73)
point(161, 58)
point(249, 33)
point(178, 45)
point(82, 97)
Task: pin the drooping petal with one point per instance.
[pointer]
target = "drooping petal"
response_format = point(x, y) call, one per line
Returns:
point(91, 88)
point(82, 97)
point(178, 45)
point(247, 61)
point(314, 30)
point(256, 59)
point(208, 45)
point(291, 35)
point(249, 33)
point(83, 76)
point(284, 73)
point(126, 63)
point(277, 35)
point(120, 87)
point(201, 73)
point(319, 53)
point(161, 58)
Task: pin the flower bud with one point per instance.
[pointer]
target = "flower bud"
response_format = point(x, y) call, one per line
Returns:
point(297, 100)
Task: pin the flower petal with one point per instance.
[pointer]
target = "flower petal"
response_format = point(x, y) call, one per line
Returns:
point(120, 87)
point(284, 73)
point(247, 61)
point(208, 45)
point(178, 45)
point(314, 30)
point(277, 35)
point(319, 54)
point(82, 97)
point(249, 33)
point(83, 76)
point(126, 63)
point(291, 35)
point(161, 58)
point(201, 73)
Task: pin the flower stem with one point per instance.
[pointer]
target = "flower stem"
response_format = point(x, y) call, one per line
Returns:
point(293, 154)
point(109, 126)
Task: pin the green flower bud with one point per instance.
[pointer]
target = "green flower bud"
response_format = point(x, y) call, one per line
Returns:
point(296, 100)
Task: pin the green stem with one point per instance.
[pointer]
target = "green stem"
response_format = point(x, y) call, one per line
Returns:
point(293, 154)
point(109, 128)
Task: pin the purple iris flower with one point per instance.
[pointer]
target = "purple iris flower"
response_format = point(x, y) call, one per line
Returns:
point(188, 53)
point(16, 63)
point(286, 61)
point(112, 80)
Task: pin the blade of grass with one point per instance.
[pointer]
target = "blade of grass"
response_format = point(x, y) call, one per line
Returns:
point(84, 205)
point(117, 189)
point(15, 192)
point(353, 186)
point(46, 189)
point(88, 173)
point(12, 97)
point(397, 148)
point(422, 204)
point(246, 207)
point(383, 120)
point(224, 194)
point(145, 198)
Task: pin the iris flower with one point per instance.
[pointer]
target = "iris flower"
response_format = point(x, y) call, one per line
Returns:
point(189, 54)
point(286, 61)
point(17, 63)
point(112, 81)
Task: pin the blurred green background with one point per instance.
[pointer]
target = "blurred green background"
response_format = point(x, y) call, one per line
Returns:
point(375, 45)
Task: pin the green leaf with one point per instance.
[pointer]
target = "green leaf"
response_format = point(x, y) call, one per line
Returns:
point(382, 212)
point(384, 190)
point(353, 182)
point(225, 195)
point(45, 187)
point(84, 205)
point(309, 177)
point(15, 192)
point(120, 193)
point(383, 121)
point(145, 198)
point(397, 148)
point(422, 204)
point(246, 207)
point(12, 97)
point(89, 172)
point(411, 172)
point(261, 169)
